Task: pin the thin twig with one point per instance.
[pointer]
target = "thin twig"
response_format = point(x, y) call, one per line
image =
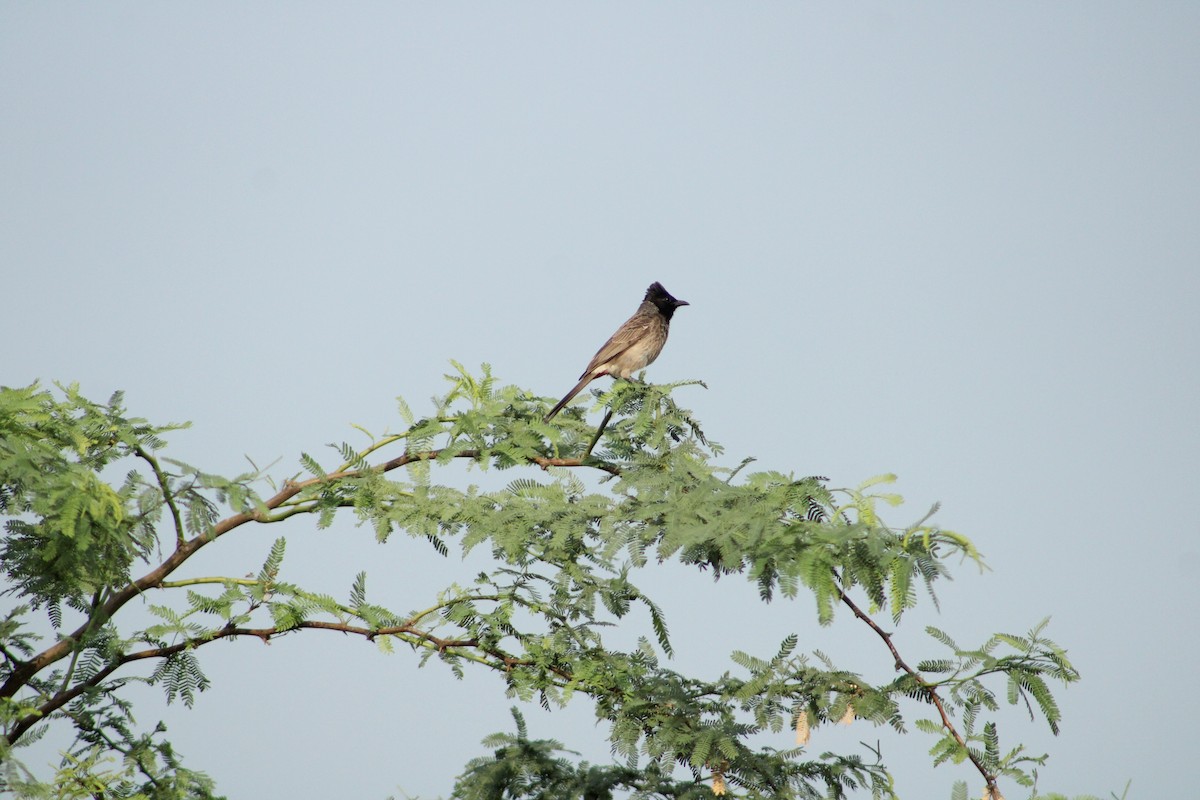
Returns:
point(599, 433)
point(168, 495)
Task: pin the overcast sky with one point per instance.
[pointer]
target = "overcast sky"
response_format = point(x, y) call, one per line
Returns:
point(952, 241)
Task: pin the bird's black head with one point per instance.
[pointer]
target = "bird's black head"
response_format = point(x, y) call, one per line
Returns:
point(663, 300)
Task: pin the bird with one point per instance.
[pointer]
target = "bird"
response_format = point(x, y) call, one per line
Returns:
point(634, 346)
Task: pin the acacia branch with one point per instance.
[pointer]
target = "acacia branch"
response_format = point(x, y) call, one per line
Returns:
point(492, 657)
point(219, 579)
point(186, 548)
point(928, 688)
point(168, 495)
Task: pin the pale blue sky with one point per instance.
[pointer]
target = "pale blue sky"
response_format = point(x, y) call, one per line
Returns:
point(951, 241)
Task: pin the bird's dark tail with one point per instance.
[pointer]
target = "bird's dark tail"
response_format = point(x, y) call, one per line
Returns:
point(584, 381)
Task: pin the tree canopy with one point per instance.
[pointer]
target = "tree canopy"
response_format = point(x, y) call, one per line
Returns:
point(97, 516)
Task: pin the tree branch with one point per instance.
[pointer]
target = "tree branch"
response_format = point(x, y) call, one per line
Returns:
point(184, 550)
point(929, 689)
point(168, 495)
point(497, 659)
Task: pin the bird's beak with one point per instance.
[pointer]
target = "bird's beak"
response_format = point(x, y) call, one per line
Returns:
point(681, 303)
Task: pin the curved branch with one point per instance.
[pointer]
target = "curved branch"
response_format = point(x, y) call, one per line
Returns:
point(185, 549)
point(496, 659)
point(929, 689)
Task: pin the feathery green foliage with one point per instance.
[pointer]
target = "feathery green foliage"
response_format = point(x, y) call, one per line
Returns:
point(572, 537)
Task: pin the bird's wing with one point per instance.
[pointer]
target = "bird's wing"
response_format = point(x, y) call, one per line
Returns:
point(626, 336)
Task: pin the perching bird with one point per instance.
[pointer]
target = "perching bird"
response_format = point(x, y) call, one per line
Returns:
point(635, 344)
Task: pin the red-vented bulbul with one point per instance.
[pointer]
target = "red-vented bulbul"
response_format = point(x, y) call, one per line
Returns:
point(635, 344)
